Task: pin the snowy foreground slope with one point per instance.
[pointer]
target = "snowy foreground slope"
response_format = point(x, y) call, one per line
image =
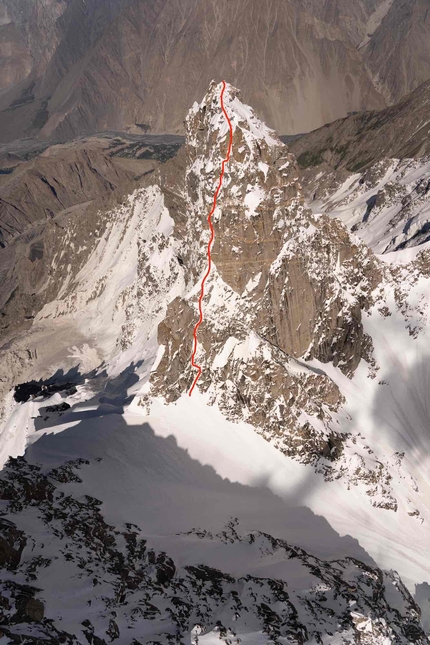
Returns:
point(287, 500)
point(126, 582)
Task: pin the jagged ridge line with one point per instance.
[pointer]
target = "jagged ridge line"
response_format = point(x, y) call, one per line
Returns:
point(211, 239)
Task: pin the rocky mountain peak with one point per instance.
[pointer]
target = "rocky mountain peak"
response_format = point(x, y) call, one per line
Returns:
point(206, 120)
point(285, 284)
point(286, 287)
point(302, 394)
point(260, 171)
point(261, 225)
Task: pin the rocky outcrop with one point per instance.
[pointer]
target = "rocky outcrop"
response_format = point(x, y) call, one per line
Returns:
point(12, 544)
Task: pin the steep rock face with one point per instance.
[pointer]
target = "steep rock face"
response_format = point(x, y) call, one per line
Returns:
point(267, 245)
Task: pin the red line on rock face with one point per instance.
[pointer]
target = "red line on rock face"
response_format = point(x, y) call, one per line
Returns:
point(212, 237)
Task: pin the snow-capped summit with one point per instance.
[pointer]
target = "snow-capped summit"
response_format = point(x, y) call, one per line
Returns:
point(260, 171)
point(208, 117)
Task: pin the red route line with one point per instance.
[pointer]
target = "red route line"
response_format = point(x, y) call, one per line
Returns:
point(212, 237)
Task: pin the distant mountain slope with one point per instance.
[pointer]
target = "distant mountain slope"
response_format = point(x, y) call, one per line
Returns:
point(359, 140)
point(45, 190)
point(372, 170)
point(134, 64)
point(70, 67)
point(41, 181)
point(73, 67)
point(398, 52)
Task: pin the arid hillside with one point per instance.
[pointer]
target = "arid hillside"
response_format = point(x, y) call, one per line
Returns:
point(71, 68)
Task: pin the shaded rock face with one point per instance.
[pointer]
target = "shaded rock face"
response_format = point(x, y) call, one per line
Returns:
point(285, 286)
point(12, 544)
point(126, 591)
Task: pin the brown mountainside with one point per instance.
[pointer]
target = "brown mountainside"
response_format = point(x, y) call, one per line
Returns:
point(135, 64)
point(398, 53)
point(360, 140)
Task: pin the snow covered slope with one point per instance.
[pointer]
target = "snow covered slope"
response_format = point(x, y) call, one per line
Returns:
point(388, 206)
point(301, 459)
